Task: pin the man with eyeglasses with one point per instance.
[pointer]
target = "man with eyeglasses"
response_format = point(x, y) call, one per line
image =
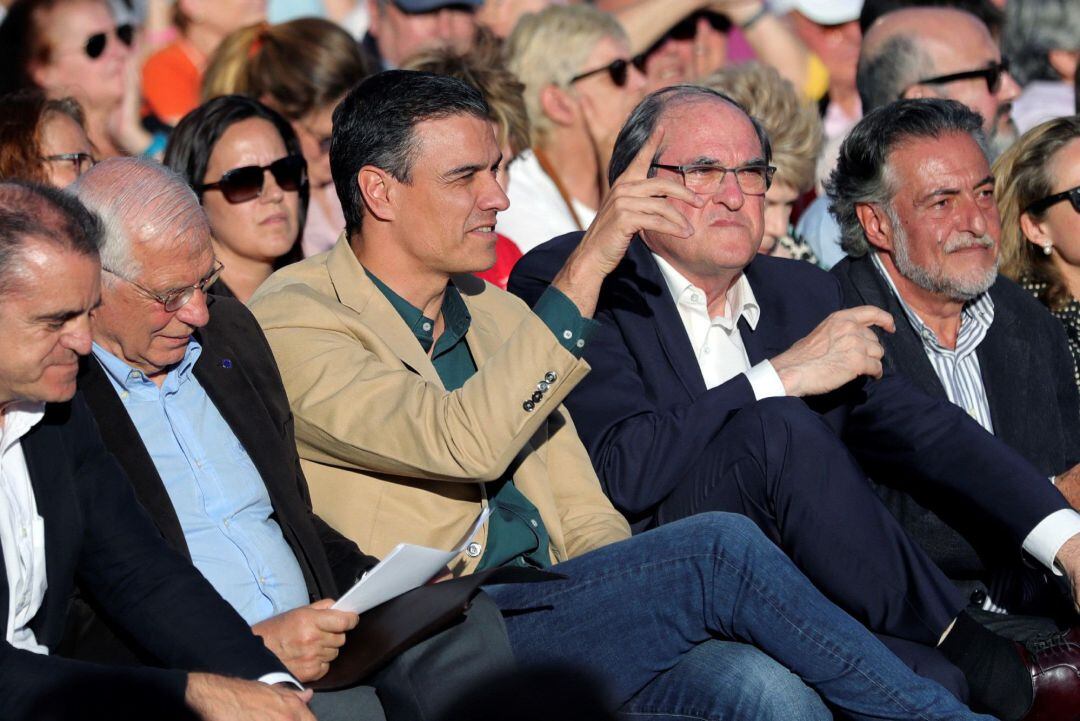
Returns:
point(724, 380)
point(189, 400)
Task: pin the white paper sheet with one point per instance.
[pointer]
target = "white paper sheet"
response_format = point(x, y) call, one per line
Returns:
point(403, 569)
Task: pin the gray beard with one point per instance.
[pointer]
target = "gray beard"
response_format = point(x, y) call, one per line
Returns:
point(932, 279)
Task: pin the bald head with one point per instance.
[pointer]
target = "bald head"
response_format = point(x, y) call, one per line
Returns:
point(142, 204)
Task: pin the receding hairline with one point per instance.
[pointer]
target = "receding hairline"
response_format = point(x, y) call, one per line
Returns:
point(681, 101)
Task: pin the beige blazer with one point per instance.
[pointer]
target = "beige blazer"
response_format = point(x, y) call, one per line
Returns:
point(391, 455)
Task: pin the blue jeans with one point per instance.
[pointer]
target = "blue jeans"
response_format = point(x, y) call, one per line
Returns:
point(633, 611)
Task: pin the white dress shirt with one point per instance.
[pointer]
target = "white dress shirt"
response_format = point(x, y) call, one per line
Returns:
point(22, 531)
point(537, 211)
point(717, 344)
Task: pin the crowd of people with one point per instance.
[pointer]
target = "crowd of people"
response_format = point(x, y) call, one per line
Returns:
point(753, 326)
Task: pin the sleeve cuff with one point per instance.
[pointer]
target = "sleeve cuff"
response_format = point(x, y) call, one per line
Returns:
point(280, 677)
point(765, 381)
point(563, 318)
point(1050, 534)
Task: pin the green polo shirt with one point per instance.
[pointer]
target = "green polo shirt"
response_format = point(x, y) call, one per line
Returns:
point(516, 533)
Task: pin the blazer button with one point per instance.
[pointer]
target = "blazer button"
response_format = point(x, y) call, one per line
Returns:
point(551, 376)
point(528, 406)
point(537, 396)
point(473, 549)
point(543, 386)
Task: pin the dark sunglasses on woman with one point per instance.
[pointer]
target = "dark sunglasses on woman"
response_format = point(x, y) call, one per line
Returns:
point(1073, 195)
point(618, 69)
point(96, 43)
point(240, 185)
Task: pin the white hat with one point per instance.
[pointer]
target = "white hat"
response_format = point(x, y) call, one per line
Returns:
point(829, 12)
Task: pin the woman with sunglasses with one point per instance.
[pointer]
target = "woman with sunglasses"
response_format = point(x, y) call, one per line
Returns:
point(244, 162)
point(1038, 196)
point(42, 140)
point(75, 48)
point(301, 69)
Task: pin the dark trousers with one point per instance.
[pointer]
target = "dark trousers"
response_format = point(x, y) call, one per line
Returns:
point(781, 465)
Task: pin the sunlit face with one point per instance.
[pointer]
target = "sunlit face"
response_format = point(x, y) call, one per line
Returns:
point(947, 240)
point(604, 106)
point(45, 322)
point(94, 82)
point(263, 228)
point(728, 228)
point(136, 328)
point(314, 131)
point(60, 135)
point(779, 202)
point(677, 59)
point(402, 35)
point(836, 45)
point(1060, 225)
point(445, 215)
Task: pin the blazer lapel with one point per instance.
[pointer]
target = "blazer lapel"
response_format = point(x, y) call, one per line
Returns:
point(770, 338)
point(43, 474)
point(1002, 352)
point(124, 442)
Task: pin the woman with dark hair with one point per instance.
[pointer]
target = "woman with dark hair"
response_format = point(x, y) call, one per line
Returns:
point(76, 48)
point(42, 140)
point(302, 69)
point(244, 162)
point(1038, 195)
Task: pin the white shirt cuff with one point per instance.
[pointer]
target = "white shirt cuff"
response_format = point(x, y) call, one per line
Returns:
point(1050, 534)
point(765, 381)
point(278, 677)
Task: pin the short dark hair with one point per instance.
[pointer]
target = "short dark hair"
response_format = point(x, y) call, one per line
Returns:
point(861, 172)
point(194, 138)
point(642, 122)
point(374, 125)
point(37, 212)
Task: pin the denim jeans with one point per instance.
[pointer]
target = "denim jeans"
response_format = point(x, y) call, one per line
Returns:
point(632, 611)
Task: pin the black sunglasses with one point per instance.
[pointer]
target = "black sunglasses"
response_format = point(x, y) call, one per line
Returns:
point(687, 27)
point(96, 43)
point(1073, 194)
point(240, 185)
point(991, 74)
point(619, 70)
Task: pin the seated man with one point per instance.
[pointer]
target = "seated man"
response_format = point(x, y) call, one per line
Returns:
point(421, 395)
point(701, 338)
point(68, 512)
point(924, 247)
point(188, 397)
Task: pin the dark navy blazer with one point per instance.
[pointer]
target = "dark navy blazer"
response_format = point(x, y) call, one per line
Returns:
point(645, 415)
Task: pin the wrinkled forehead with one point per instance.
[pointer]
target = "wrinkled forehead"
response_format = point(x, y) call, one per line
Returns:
point(705, 127)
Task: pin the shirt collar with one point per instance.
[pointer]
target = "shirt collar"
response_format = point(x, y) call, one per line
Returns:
point(456, 317)
point(19, 418)
point(741, 301)
point(128, 378)
point(978, 311)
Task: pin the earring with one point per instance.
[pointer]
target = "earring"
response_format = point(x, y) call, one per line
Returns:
point(1048, 248)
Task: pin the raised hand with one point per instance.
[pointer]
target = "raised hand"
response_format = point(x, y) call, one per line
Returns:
point(842, 347)
point(308, 638)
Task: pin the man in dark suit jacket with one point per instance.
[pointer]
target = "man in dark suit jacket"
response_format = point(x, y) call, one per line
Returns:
point(69, 514)
point(668, 443)
point(235, 377)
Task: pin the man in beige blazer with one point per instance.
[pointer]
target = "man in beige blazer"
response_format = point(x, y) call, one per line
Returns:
point(421, 395)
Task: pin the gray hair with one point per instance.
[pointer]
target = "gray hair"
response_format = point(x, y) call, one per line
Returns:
point(140, 202)
point(883, 75)
point(862, 173)
point(1035, 27)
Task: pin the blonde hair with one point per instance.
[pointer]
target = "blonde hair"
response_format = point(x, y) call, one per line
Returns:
point(549, 48)
point(792, 124)
point(1022, 177)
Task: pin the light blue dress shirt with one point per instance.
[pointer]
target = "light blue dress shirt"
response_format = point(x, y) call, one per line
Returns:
point(219, 496)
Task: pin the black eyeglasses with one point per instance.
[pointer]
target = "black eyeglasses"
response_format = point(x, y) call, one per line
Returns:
point(176, 299)
point(240, 185)
point(687, 27)
point(706, 178)
point(96, 43)
point(1073, 194)
point(80, 161)
point(619, 70)
point(991, 74)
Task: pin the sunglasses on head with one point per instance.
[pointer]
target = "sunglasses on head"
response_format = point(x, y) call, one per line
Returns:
point(1073, 195)
point(240, 185)
point(991, 74)
point(687, 27)
point(96, 43)
point(619, 70)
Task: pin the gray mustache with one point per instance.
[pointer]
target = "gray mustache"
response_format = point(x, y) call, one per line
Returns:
point(954, 244)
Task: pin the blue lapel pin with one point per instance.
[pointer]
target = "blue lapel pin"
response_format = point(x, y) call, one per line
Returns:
point(226, 363)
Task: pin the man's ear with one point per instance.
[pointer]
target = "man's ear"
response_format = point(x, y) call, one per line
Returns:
point(918, 91)
point(1063, 61)
point(876, 225)
point(374, 13)
point(377, 190)
point(557, 105)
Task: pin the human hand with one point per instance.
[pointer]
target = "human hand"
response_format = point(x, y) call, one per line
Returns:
point(635, 204)
point(218, 698)
point(125, 122)
point(308, 638)
point(842, 347)
point(1068, 560)
point(1069, 485)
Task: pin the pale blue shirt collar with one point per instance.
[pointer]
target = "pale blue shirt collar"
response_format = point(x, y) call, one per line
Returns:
point(126, 378)
point(741, 301)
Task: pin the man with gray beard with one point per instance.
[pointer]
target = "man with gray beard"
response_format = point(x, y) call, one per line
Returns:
point(914, 196)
